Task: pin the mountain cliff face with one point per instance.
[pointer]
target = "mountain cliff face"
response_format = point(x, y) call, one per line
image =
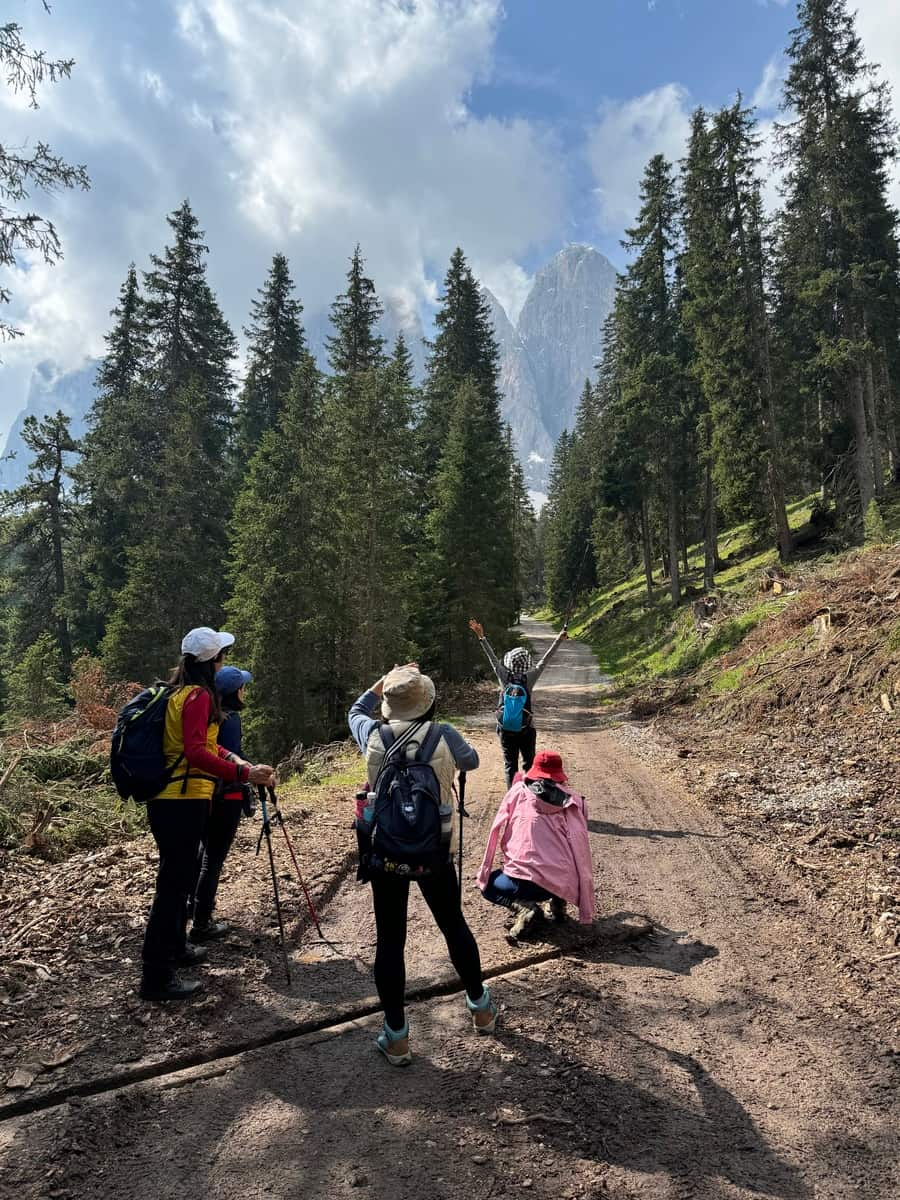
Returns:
point(521, 407)
point(49, 391)
point(554, 347)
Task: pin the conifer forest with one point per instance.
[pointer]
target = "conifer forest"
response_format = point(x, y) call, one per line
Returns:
point(338, 520)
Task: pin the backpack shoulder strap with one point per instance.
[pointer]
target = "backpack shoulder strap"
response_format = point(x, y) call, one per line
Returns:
point(429, 744)
point(388, 737)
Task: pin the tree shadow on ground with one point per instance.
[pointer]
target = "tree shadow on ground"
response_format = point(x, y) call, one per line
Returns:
point(608, 829)
point(327, 1118)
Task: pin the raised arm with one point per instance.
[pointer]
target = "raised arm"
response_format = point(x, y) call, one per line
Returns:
point(360, 717)
point(535, 673)
point(498, 667)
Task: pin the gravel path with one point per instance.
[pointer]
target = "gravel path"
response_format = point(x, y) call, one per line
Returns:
point(721, 1057)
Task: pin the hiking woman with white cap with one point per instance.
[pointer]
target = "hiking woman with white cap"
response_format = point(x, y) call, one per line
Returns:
point(517, 676)
point(432, 752)
point(178, 815)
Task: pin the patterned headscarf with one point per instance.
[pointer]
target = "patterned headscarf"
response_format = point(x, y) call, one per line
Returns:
point(517, 660)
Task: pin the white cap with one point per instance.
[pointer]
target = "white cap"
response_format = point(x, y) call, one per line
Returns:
point(204, 643)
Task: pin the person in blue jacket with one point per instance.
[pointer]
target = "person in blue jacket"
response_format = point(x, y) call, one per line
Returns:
point(225, 813)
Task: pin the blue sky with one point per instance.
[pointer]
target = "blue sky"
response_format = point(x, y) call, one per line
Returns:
point(411, 126)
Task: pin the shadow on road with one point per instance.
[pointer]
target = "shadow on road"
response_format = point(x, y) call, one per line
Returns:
point(610, 830)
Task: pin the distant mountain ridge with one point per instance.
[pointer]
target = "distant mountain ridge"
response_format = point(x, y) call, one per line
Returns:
point(552, 349)
point(545, 358)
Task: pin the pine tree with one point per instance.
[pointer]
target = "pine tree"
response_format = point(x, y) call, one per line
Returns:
point(112, 472)
point(282, 557)
point(465, 348)
point(356, 346)
point(837, 261)
point(727, 315)
point(176, 568)
point(652, 382)
point(276, 346)
point(569, 564)
point(370, 470)
point(23, 169)
point(469, 566)
point(38, 540)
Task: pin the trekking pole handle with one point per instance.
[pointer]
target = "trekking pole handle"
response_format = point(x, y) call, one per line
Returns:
point(462, 793)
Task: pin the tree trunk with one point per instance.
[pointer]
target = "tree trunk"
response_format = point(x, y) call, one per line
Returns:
point(890, 423)
point(674, 511)
point(865, 480)
point(59, 571)
point(874, 427)
point(645, 547)
point(711, 532)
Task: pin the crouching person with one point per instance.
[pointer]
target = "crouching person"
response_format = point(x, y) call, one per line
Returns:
point(405, 835)
point(541, 829)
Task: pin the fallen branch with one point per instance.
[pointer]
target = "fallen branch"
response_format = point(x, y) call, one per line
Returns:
point(535, 1117)
point(17, 758)
point(804, 662)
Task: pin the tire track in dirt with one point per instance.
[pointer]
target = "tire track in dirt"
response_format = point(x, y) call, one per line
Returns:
point(721, 1059)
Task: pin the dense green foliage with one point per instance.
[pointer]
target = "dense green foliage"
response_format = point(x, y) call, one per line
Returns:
point(747, 359)
point(335, 520)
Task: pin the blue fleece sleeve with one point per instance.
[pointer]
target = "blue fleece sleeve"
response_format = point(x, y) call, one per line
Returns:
point(360, 719)
point(231, 733)
point(464, 755)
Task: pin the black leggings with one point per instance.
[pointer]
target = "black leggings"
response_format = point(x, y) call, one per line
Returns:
point(514, 744)
point(220, 831)
point(390, 896)
point(178, 827)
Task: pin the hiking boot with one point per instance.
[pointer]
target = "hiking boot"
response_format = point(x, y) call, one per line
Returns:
point(556, 910)
point(209, 931)
point(484, 1013)
point(192, 956)
point(394, 1045)
point(168, 987)
point(527, 914)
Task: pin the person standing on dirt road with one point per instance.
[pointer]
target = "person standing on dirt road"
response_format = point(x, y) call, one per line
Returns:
point(230, 800)
point(178, 815)
point(542, 832)
point(407, 700)
point(518, 737)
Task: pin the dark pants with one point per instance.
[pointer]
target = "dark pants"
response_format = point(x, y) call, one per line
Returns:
point(504, 889)
point(220, 830)
point(514, 744)
point(390, 895)
point(177, 826)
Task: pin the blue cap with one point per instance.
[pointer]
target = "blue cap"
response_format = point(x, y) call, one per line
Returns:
point(231, 679)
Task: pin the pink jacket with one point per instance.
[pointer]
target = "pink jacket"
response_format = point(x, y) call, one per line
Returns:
point(544, 844)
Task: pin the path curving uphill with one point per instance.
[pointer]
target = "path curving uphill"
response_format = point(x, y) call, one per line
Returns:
point(720, 1057)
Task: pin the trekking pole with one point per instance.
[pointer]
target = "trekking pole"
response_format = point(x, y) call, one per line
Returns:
point(461, 801)
point(266, 832)
point(280, 819)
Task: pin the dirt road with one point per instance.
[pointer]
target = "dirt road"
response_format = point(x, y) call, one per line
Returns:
point(722, 1056)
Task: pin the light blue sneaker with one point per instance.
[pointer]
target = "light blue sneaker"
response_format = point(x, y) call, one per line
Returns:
point(388, 1039)
point(480, 1007)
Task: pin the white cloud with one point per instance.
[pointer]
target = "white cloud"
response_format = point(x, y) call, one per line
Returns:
point(625, 138)
point(302, 128)
point(509, 282)
point(767, 96)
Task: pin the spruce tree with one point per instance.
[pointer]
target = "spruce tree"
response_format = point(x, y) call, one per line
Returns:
point(276, 346)
point(469, 566)
point(837, 251)
point(356, 346)
point(726, 311)
point(282, 558)
point(652, 382)
point(464, 348)
point(176, 568)
point(112, 472)
point(369, 468)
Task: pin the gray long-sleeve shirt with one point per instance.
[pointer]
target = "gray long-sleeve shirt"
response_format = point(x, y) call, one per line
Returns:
point(503, 673)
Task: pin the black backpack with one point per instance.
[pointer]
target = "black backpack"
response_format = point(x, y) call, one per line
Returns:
point(410, 824)
point(136, 759)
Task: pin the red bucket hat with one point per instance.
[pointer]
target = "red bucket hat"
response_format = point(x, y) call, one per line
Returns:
point(547, 765)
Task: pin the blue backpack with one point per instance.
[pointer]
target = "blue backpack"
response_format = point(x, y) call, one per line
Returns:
point(410, 824)
point(514, 710)
point(136, 760)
